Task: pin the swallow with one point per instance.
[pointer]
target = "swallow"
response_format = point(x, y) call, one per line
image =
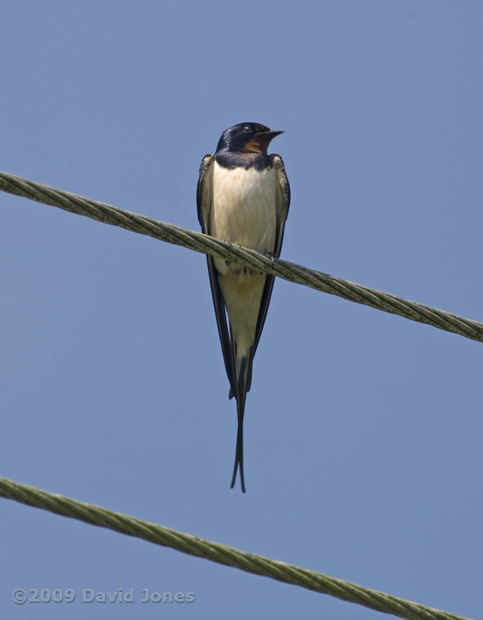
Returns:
point(243, 197)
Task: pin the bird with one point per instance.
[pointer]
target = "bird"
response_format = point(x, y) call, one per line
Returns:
point(243, 197)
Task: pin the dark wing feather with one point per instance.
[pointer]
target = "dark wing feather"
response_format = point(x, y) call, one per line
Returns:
point(283, 203)
point(204, 192)
point(204, 202)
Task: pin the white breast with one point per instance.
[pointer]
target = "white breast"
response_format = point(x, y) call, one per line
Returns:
point(244, 207)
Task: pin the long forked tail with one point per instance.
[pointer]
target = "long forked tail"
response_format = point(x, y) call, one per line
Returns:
point(242, 385)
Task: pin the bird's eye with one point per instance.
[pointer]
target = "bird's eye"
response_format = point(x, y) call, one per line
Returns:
point(247, 129)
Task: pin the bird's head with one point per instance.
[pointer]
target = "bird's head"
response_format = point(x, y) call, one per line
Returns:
point(247, 138)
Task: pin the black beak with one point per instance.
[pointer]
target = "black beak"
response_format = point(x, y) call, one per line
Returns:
point(270, 133)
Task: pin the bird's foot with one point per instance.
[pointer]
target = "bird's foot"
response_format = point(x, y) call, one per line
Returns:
point(228, 262)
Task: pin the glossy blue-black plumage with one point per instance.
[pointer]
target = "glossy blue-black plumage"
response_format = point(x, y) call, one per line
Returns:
point(245, 146)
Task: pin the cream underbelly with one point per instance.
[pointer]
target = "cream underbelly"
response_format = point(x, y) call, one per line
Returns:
point(242, 297)
point(244, 212)
point(244, 207)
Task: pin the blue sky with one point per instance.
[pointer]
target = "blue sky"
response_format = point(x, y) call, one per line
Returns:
point(363, 430)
